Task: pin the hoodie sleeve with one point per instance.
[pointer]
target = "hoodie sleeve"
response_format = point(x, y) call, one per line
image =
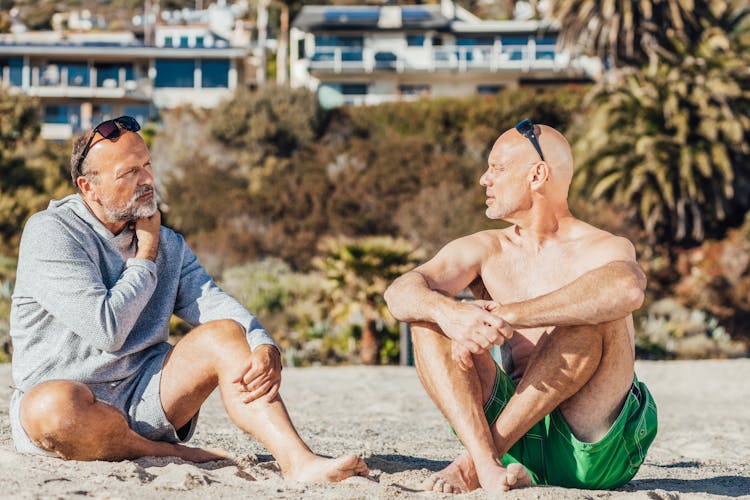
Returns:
point(199, 300)
point(66, 280)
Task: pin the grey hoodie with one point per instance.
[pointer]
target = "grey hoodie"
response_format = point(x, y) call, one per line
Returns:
point(84, 309)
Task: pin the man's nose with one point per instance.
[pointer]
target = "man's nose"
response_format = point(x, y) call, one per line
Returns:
point(484, 180)
point(146, 177)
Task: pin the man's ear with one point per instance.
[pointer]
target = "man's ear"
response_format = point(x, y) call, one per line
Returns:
point(85, 186)
point(539, 174)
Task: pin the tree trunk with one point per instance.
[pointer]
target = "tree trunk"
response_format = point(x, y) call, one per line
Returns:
point(369, 348)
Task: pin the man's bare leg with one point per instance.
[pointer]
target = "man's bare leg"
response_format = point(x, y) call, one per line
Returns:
point(63, 417)
point(459, 395)
point(215, 354)
point(586, 371)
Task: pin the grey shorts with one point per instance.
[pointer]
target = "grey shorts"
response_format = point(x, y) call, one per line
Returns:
point(136, 397)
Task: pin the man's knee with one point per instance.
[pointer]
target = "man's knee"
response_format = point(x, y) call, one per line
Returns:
point(423, 332)
point(48, 409)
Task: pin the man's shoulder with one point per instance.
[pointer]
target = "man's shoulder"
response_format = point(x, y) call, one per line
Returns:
point(596, 239)
point(486, 242)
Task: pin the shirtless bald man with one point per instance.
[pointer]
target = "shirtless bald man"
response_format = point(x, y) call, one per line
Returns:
point(563, 407)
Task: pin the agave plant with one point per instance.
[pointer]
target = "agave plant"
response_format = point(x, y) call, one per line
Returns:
point(672, 140)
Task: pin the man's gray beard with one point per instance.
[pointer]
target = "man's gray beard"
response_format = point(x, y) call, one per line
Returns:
point(134, 209)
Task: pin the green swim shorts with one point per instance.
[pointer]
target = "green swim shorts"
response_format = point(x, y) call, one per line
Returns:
point(553, 455)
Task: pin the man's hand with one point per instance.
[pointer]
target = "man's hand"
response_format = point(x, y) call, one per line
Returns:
point(474, 326)
point(147, 234)
point(262, 376)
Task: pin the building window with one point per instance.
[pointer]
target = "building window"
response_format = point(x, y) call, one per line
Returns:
point(168, 41)
point(215, 74)
point(353, 88)
point(108, 75)
point(489, 89)
point(351, 48)
point(415, 40)
point(414, 89)
point(184, 41)
point(14, 68)
point(176, 73)
point(78, 74)
point(475, 41)
point(60, 114)
point(200, 41)
point(346, 88)
point(338, 41)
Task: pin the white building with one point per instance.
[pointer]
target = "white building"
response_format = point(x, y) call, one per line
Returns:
point(84, 78)
point(371, 54)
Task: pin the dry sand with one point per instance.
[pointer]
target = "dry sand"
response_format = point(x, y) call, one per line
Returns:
point(702, 450)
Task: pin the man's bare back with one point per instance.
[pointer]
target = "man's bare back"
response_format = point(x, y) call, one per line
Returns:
point(560, 294)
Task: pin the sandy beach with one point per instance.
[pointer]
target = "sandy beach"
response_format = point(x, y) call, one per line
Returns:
point(702, 450)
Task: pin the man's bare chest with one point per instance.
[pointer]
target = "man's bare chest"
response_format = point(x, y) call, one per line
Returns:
point(512, 280)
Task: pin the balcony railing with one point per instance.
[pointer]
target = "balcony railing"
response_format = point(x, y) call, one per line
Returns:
point(446, 58)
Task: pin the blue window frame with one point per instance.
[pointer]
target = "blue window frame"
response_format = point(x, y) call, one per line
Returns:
point(415, 40)
point(215, 73)
point(61, 114)
point(112, 72)
point(175, 73)
point(475, 41)
point(489, 89)
point(353, 88)
point(338, 41)
point(15, 70)
point(200, 41)
point(184, 42)
point(168, 41)
point(78, 74)
point(515, 40)
point(413, 89)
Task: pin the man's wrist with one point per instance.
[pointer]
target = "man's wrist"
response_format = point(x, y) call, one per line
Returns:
point(509, 313)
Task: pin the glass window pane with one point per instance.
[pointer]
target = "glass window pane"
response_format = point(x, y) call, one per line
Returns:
point(215, 74)
point(78, 74)
point(415, 40)
point(174, 73)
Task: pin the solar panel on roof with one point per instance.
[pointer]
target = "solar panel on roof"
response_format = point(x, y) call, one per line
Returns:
point(351, 15)
point(415, 14)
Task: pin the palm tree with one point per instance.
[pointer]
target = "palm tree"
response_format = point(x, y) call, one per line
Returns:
point(630, 32)
point(673, 139)
point(357, 272)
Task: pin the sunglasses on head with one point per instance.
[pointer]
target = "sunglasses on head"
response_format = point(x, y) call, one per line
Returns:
point(526, 128)
point(110, 129)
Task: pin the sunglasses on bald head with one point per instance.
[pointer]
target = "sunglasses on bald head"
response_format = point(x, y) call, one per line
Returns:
point(110, 129)
point(526, 128)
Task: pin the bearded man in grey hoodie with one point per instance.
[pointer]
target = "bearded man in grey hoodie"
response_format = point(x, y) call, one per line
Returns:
point(98, 281)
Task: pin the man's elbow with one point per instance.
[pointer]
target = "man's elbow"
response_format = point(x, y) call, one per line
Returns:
point(390, 299)
point(635, 287)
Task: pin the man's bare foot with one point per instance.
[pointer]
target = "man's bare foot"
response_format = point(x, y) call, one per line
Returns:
point(328, 470)
point(200, 454)
point(459, 477)
point(496, 478)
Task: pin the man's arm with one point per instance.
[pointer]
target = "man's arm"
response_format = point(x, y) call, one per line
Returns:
point(67, 282)
point(200, 300)
point(426, 294)
point(609, 292)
